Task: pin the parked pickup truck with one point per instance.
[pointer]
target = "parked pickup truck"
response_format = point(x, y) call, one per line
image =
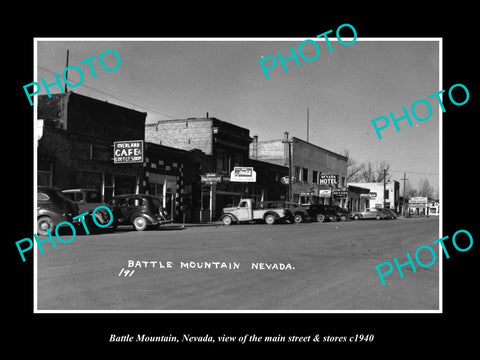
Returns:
point(249, 210)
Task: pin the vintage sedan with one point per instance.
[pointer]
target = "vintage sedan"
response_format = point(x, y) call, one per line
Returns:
point(88, 200)
point(369, 213)
point(344, 214)
point(53, 208)
point(140, 210)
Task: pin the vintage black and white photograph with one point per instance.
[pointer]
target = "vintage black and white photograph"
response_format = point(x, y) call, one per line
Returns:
point(239, 174)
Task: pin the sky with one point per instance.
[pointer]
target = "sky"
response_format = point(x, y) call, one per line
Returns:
point(343, 90)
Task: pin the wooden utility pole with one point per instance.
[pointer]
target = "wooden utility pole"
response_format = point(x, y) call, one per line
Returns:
point(66, 74)
point(403, 204)
point(384, 186)
point(308, 123)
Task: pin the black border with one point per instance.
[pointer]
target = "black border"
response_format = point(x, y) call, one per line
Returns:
point(89, 333)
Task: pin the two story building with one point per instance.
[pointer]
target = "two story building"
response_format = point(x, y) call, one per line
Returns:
point(318, 172)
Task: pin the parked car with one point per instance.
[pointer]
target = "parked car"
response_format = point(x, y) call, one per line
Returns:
point(140, 210)
point(53, 208)
point(344, 214)
point(391, 214)
point(298, 213)
point(322, 213)
point(249, 210)
point(369, 213)
point(88, 200)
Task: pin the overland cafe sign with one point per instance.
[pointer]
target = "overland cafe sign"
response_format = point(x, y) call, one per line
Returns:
point(128, 152)
point(243, 174)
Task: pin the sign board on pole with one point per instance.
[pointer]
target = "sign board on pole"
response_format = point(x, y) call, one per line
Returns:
point(211, 178)
point(128, 152)
point(243, 174)
point(418, 200)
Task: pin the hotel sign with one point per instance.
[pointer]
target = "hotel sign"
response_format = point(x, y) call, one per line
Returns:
point(128, 152)
point(324, 179)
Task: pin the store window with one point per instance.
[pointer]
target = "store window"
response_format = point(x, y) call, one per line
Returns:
point(315, 177)
point(89, 180)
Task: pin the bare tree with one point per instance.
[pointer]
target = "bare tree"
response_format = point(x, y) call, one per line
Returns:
point(374, 172)
point(425, 189)
point(353, 169)
point(365, 172)
point(410, 191)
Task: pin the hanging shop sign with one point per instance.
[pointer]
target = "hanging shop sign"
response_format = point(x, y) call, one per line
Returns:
point(340, 193)
point(325, 179)
point(211, 178)
point(128, 152)
point(284, 180)
point(325, 193)
point(372, 195)
point(243, 174)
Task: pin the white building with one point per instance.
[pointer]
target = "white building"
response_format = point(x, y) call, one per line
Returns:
point(376, 197)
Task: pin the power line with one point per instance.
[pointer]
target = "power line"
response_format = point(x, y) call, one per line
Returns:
point(120, 99)
point(414, 172)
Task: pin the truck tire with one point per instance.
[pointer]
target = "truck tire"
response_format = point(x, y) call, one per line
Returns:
point(269, 219)
point(227, 220)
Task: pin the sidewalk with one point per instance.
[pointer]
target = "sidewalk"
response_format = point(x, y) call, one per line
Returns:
point(213, 223)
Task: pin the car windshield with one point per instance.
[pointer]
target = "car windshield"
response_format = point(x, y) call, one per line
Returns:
point(92, 196)
point(156, 202)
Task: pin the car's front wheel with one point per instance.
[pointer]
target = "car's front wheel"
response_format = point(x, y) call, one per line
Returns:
point(44, 223)
point(297, 218)
point(356, 217)
point(269, 219)
point(227, 220)
point(140, 223)
point(320, 218)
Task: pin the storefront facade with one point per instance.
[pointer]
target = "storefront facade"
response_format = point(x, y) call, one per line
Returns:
point(76, 148)
point(318, 173)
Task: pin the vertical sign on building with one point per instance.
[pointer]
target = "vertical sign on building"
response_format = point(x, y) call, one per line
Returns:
point(128, 152)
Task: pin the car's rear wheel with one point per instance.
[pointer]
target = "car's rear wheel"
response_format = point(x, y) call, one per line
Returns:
point(297, 218)
point(269, 219)
point(227, 220)
point(356, 217)
point(140, 223)
point(378, 217)
point(320, 217)
point(44, 223)
point(343, 218)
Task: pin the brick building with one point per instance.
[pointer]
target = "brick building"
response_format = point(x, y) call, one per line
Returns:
point(76, 150)
point(310, 165)
point(217, 147)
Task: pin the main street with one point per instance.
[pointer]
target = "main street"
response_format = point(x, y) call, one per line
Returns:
point(332, 268)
